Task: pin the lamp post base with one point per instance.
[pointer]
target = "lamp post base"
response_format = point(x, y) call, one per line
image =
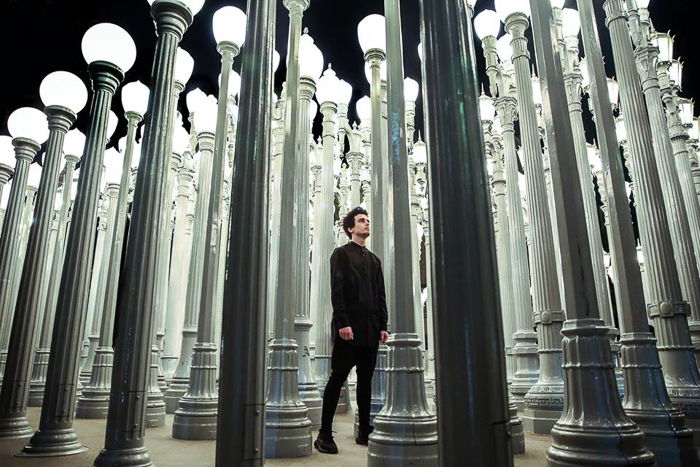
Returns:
point(177, 389)
point(136, 457)
point(517, 432)
point(55, 442)
point(155, 406)
point(15, 427)
point(196, 414)
point(93, 403)
point(405, 431)
point(38, 382)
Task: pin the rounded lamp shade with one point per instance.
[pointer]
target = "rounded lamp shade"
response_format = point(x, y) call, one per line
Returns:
point(328, 89)
point(620, 130)
point(643, 3)
point(504, 49)
point(486, 108)
point(113, 162)
point(410, 90)
point(110, 43)
point(205, 115)
point(382, 72)
point(571, 22)
point(7, 151)
point(313, 110)
point(64, 89)
point(275, 60)
point(557, 3)
point(505, 8)
point(364, 109)
point(487, 23)
point(28, 122)
point(371, 32)
point(229, 24)
point(5, 195)
point(193, 5)
point(194, 98)
point(34, 176)
point(613, 91)
point(536, 90)
point(112, 124)
point(420, 51)
point(74, 143)
point(184, 64)
point(420, 153)
point(181, 140)
point(234, 83)
point(135, 97)
point(345, 92)
point(310, 58)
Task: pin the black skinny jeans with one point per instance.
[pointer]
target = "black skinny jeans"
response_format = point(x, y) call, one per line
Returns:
point(345, 356)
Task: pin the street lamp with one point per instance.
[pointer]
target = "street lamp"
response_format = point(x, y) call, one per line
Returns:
point(29, 129)
point(410, 95)
point(196, 415)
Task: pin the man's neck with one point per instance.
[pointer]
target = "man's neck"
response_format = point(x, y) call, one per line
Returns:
point(359, 240)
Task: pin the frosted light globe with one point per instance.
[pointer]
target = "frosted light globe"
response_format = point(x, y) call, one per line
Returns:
point(229, 25)
point(664, 42)
point(234, 83)
point(135, 97)
point(382, 72)
point(28, 122)
point(34, 176)
point(113, 162)
point(310, 58)
point(275, 60)
point(420, 152)
point(328, 89)
point(110, 43)
point(571, 22)
point(136, 155)
point(410, 90)
point(557, 3)
point(344, 92)
point(487, 23)
point(364, 109)
point(503, 48)
point(193, 5)
point(112, 124)
point(371, 32)
point(64, 89)
point(194, 98)
point(505, 8)
point(486, 108)
point(184, 64)
point(205, 115)
point(74, 143)
point(5, 195)
point(7, 151)
point(181, 140)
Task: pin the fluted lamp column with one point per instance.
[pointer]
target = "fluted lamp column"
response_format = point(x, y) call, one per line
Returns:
point(124, 440)
point(28, 127)
point(94, 399)
point(7, 161)
point(545, 399)
point(107, 66)
point(646, 400)
point(287, 424)
point(196, 414)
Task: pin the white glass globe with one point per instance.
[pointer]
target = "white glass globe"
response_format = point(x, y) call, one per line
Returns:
point(505, 8)
point(113, 162)
point(34, 176)
point(64, 89)
point(420, 51)
point(613, 91)
point(205, 115)
point(275, 60)
point(328, 89)
point(410, 90)
point(193, 5)
point(371, 32)
point(344, 92)
point(364, 109)
point(7, 151)
point(557, 3)
point(28, 122)
point(135, 97)
point(487, 23)
point(310, 58)
point(112, 124)
point(486, 108)
point(181, 140)
point(643, 3)
point(74, 143)
point(382, 72)
point(620, 130)
point(675, 72)
point(585, 76)
point(420, 152)
point(664, 42)
point(110, 43)
point(136, 155)
point(571, 22)
point(229, 25)
point(536, 90)
point(234, 83)
point(504, 49)
point(5, 195)
point(184, 64)
point(194, 98)
point(313, 110)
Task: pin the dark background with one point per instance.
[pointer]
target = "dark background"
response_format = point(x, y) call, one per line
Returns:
point(41, 36)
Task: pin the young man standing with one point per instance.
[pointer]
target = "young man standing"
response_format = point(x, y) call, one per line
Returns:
point(359, 325)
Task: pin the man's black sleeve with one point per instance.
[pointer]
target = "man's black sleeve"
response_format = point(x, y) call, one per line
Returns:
point(339, 268)
point(383, 314)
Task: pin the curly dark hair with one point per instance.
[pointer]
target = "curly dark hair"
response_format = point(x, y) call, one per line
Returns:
point(349, 219)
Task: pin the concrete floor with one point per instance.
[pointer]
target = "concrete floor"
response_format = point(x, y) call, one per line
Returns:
point(168, 452)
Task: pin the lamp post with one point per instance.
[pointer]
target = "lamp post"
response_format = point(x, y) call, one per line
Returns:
point(665, 299)
point(124, 440)
point(544, 401)
point(487, 25)
point(107, 65)
point(196, 415)
point(7, 162)
point(287, 425)
point(646, 401)
point(406, 408)
point(29, 129)
point(240, 440)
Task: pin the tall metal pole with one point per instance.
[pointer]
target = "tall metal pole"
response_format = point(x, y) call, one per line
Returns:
point(646, 400)
point(406, 407)
point(241, 426)
point(606, 436)
point(464, 257)
point(124, 440)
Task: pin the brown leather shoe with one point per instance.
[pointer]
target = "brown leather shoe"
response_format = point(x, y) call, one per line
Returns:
point(325, 444)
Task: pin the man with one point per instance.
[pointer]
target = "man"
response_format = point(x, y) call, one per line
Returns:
point(359, 323)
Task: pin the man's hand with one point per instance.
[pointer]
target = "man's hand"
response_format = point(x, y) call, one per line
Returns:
point(383, 336)
point(346, 333)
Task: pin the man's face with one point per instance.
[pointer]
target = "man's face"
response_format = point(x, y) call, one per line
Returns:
point(361, 228)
